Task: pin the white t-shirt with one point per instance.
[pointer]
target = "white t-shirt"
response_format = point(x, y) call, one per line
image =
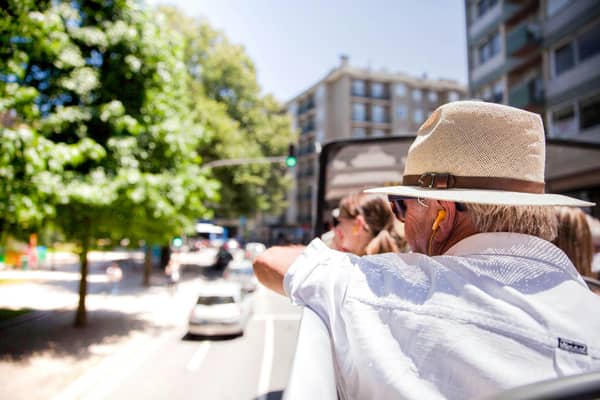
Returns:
point(498, 310)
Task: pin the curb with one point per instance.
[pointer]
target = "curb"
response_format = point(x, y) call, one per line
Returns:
point(25, 318)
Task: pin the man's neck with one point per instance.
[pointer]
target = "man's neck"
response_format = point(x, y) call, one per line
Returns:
point(462, 229)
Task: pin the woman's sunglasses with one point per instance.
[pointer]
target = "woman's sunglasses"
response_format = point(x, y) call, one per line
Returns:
point(398, 206)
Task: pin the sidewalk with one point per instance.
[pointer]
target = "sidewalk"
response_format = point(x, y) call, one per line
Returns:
point(41, 353)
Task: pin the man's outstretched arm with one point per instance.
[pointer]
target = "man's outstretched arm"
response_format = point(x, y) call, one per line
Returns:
point(270, 266)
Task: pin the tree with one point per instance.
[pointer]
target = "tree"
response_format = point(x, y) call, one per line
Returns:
point(106, 82)
point(240, 122)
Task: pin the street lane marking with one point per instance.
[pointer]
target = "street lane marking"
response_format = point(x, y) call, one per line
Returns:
point(267, 361)
point(198, 356)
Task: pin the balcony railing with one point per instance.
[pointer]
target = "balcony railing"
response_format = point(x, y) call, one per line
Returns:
point(530, 93)
point(384, 120)
point(523, 38)
point(385, 95)
point(304, 107)
point(308, 128)
point(381, 96)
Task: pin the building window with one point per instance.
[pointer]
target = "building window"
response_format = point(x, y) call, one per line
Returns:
point(359, 112)
point(378, 114)
point(486, 93)
point(433, 96)
point(564, 58)
point(400, 89)
point(401, 111)
point(588, 43)
point(589, 112)
point(563, 121)
point(453, 96)
point(417, 95)
point(359, 88)
point(498, 92)
point(378, 133)
point(377, 90)
point(418, 116)
point(483, 6)
point(359, 132)
point(489, 48)
point(553, 6)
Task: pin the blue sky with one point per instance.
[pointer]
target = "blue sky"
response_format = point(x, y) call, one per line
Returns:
point(295, 43)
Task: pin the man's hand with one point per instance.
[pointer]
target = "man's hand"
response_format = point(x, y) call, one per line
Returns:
point(270, 266)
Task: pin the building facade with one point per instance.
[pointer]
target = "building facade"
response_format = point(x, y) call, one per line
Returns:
point(539, 55)
point(355, 103)
point(544, 56)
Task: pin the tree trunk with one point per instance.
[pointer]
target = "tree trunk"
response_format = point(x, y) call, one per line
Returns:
point(147, 264)
point(80, 316)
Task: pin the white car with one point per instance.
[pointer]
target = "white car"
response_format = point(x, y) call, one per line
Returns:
point(220, 309)
point(241, 271)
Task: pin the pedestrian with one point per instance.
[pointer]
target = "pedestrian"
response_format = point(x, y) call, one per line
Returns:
point(485, 301)
point(223, 258)
point(114, 275)
point(173, 274)
point(366, 225)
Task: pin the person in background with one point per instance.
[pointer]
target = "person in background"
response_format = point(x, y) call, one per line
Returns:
point(114, 273)
point(366, 225)
point(485, 302)
point(594, 225)
point(575, 238)
point(173, 272)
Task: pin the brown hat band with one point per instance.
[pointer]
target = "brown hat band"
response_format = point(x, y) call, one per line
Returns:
point(434, 180)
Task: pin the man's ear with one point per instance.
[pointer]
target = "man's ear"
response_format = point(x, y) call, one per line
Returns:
point(446, 224)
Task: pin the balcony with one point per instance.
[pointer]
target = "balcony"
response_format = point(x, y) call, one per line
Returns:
point(305, 107)
point(569, 18)
point(522, 39)
point(306, 148)
point(489, 22)
point(380, 96)
point(309, 127)
point(359, 92)
point(528, 94)
point(562, 87)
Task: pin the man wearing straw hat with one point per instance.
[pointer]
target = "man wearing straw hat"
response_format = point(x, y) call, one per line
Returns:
point(485, 302)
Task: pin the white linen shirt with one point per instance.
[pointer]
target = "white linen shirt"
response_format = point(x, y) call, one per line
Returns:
point(486, 316)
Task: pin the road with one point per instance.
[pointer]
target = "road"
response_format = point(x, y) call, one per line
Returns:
point(136, 344)
point(246, 367)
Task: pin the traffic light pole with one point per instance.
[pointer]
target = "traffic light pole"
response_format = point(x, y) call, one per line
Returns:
point(244, 161)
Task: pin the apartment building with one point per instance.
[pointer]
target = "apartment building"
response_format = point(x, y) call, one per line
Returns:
point(356, 103)
point(539, 55)
point(544, 56)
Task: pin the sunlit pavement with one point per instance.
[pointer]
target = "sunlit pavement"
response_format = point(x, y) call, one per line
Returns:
point(41, 352)
point(135, 344)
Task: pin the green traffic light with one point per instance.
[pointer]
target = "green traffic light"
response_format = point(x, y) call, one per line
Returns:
point(291, 161)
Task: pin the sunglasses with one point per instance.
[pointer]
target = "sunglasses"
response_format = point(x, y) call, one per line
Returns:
point(398, 206)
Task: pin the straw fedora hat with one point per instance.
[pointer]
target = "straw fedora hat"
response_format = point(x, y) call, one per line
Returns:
point(477, 152)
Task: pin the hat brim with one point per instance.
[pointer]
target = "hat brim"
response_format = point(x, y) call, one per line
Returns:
point(478, 196)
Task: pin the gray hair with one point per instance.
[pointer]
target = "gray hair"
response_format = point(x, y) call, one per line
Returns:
point(531, 220)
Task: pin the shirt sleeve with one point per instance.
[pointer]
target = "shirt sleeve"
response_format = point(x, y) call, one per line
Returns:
point(319, 279)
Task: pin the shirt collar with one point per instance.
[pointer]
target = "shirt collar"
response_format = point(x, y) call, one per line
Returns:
point(500, 243)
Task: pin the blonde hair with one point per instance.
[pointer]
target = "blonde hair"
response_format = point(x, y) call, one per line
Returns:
point(387, 231)
point(575, 238)
point(530, 220)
